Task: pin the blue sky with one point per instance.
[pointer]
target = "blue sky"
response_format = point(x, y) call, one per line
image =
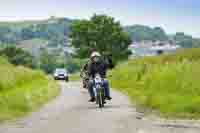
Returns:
point(172, 15)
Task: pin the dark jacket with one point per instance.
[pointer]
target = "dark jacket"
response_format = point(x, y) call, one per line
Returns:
point(97, 68)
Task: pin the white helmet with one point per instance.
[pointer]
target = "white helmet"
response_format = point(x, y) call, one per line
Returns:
point(95, 54)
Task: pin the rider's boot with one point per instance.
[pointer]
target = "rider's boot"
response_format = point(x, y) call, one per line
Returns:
point(92, 99)
point(108, 98)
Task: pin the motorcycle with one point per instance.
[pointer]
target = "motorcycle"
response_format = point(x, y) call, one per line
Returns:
point(99, 90)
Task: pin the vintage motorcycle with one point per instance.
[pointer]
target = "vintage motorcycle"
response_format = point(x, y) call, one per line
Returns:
point(99, 90)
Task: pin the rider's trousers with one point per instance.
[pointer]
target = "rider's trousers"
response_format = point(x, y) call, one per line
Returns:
point(105, 86)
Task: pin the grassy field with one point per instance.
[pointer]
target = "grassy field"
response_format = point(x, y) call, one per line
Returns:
point(168, 84)
point(75, 77)
point(23, 90)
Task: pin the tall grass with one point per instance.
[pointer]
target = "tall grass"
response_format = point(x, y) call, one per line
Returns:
point(23, 90)
point(169, 83)
point(75, 77)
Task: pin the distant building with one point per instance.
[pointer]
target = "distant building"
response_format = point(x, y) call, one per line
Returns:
point(149, 48)
point(69, 50)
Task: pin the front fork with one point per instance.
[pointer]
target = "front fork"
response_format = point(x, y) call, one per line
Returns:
point(100, 95)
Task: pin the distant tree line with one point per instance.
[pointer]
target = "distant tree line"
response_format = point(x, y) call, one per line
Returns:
point(46, 61)
point(17, 56)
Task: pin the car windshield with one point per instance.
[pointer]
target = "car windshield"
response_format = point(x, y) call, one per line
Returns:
point(60, 71)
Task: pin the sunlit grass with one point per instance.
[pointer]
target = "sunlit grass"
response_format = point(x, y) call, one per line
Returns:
point(169, 84)
point(75, 77)
point(23, 90)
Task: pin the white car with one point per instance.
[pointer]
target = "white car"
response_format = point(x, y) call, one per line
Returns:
point(61, 74)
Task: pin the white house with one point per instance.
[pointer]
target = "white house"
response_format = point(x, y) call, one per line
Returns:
point(149, 48)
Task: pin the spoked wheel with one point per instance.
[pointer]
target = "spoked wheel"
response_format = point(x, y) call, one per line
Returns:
point(100, 99)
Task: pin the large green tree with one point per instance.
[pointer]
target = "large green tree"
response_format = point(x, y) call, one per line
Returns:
point(102, 33)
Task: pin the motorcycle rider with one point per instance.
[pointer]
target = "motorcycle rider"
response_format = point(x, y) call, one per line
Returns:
point(84, 74)
point(84, 71)
point(98, 66)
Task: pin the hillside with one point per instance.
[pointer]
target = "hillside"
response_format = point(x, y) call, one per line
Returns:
point(145, 33)
point(26, 23)
point(186, 41)
point(23, 90)
point(56, 32)
point(33, 46)
point(168, 84)
point(141, 33)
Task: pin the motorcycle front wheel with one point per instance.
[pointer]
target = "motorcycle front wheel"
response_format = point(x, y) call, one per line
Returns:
point(100, 99)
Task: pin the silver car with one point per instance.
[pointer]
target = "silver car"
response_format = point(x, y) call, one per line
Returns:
point(61, 74)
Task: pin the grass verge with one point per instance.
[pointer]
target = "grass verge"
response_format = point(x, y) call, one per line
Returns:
point(168, 84)
point(23, 90)
point(75, 77)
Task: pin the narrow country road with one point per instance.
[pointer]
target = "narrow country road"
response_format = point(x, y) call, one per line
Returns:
point(71, 113)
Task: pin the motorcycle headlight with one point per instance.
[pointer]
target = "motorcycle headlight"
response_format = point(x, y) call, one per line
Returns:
point(98, 86)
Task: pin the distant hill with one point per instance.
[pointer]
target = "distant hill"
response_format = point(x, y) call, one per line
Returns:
point(186, 41)
point(55, 32)
point(32, 35)
point(32, 46)
point(26, 23)
point(141, 32)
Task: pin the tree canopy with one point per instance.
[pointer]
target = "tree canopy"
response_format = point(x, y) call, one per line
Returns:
point(102, 33)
